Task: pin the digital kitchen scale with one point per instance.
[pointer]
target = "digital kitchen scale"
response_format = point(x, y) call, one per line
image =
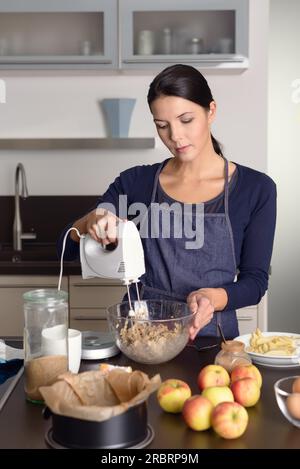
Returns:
point(98, 345)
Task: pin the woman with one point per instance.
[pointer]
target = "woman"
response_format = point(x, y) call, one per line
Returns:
point(235, 204)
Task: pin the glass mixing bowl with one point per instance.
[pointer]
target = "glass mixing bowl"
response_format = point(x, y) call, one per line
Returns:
point(157, 332)
point(283, 391)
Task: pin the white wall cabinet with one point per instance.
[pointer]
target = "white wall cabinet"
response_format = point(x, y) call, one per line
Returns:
point(134, 34)
point(207, 33)
point(12, 289)
point(58, 34)
point(88, 300)
point(251, 317)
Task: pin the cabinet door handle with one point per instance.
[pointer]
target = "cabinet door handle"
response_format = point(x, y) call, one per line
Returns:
point(56, 60)
point(142, 60)
point(95, 285)
point(40, 285)
point(245, 318)
point(88, 318)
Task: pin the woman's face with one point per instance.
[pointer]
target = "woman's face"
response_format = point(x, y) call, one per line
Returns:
point(183, 126)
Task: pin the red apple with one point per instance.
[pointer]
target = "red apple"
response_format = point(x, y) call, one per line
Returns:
point(246, 391)
point(213, 375)
point(229, 419)
point(197, 412)
point(217, 394)
point(246, 371)
point(172, 394)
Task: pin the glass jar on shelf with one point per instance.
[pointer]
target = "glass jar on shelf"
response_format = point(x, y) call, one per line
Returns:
point(225, 45)
point(196, 45)
point(3, 46)
point(45, 339)
point(166, 44)
point(146, 42)
point(85, 48)
point(232, 354)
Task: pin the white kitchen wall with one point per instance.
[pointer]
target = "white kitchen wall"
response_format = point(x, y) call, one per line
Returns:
point(284, 161)
point(57, 104)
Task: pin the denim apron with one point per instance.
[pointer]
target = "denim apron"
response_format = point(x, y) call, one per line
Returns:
point(173, 272)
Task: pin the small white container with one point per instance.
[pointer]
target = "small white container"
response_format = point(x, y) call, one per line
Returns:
point(167, 41)
point(85, 48)
point(53, 343)
point(225, 45)
point(196, 45)
point(146, 42)
point(3, 46)
point(74, 343)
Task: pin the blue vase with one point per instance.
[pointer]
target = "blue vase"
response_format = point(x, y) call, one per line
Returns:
point(118, 113)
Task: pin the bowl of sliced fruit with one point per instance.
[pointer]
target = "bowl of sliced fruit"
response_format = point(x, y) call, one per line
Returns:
point(274, 349)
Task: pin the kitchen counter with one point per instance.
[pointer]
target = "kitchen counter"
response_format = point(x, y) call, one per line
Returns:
point(22, 424)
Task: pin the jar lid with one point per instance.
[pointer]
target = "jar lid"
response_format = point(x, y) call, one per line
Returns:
point(233, 346)
point(46, 295)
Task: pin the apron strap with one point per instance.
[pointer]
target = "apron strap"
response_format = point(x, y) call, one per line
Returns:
point(226, 209)
point(226, 187)
point(154, 189)
point(155, 183)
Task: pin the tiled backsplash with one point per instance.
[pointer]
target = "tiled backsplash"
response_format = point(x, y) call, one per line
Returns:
point(45, 215)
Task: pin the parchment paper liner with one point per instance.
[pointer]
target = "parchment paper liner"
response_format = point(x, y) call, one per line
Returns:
point(96, 396)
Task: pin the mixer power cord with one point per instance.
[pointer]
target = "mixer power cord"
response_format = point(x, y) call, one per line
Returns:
point(63, 252)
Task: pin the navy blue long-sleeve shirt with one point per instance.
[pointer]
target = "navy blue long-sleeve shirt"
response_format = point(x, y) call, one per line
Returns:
point(252, 212)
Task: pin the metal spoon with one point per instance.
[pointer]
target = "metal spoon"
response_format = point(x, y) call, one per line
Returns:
point(205, 347)
point(221, 333)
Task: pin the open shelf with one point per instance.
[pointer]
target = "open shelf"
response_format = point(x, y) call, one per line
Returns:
point(76, 143)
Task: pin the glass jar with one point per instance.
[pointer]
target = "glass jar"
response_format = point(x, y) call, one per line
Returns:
point(232, 354)
point(166, 41)
point(45, 339)
point(86, 48)
point(146, 42)
point(196, 45)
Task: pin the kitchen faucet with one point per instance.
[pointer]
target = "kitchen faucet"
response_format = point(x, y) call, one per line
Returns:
point(17, 226)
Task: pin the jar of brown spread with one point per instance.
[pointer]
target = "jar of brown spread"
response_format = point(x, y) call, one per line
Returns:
point(232, 354)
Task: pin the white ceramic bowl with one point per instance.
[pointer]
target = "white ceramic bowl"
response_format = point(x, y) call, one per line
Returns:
point(273, 360)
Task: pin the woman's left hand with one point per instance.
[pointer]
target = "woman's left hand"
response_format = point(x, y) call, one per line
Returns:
point(205, 301)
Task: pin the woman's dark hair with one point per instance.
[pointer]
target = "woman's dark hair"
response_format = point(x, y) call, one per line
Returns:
point(185, 82)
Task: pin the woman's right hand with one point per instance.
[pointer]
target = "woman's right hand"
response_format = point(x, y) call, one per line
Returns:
point(100, 224)
point(201, 305)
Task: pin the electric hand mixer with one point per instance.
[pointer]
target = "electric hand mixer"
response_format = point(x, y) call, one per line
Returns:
point(125, 262)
